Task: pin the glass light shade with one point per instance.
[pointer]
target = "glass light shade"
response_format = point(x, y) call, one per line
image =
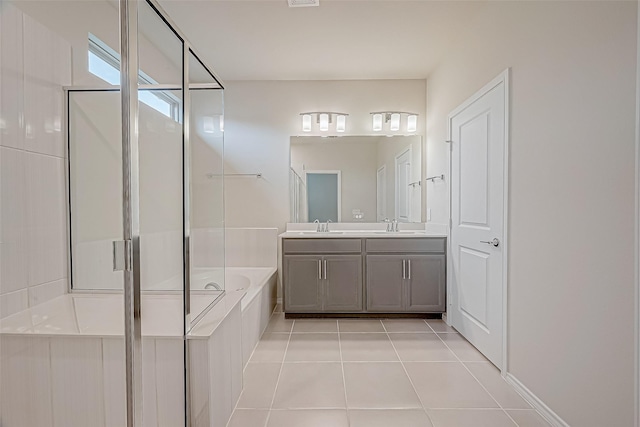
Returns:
point(394, 125)
point(324, 122)
point(207, 125)
point(341, 123)
point(412, 123)
point(377, 122)
point(221, 123)
point(306, 123)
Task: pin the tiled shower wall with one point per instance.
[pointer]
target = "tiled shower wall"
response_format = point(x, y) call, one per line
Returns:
point(35, 65)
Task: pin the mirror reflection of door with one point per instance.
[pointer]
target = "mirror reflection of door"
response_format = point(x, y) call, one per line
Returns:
point(323, 195)
point(381, 193)
point(403, 179)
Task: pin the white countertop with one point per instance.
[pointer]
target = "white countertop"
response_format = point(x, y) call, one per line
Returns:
point(337, 234)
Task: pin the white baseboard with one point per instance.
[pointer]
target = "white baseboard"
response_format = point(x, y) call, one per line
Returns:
point(546, 412)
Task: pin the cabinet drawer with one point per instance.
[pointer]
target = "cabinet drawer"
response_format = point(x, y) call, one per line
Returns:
point(404, 245)
point(329, 245)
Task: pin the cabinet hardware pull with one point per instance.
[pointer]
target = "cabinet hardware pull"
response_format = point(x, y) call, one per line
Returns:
point(320, 269)
point(404, 269)
point(409, 269)
point(325, 269)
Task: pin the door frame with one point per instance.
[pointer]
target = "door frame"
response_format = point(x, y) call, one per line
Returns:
point(381, 192)
point(408, 149)
point(326, 172)
point(502, 78)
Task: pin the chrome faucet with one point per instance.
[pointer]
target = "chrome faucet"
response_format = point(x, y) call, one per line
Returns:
point(318, 229)
point(324, 228)
point(392, 226)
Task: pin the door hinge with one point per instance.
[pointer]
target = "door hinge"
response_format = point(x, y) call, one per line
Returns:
point(122, 256)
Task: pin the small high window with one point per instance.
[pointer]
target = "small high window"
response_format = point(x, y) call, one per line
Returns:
point(104, 63)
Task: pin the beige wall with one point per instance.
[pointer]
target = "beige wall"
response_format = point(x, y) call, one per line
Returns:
point(262, 116)
point(571, 193)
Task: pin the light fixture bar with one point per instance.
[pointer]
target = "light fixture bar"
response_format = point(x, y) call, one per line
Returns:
point(324, 119)
point(394, 118)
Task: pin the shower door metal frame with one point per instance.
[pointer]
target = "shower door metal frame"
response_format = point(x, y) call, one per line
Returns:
point(131, 201)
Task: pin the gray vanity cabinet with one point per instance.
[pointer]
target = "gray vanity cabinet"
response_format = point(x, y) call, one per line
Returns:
point(405, 275)
point(385, 283)
point(425, 283)
point(371, 275)
point(323, 276)
point(305, 273)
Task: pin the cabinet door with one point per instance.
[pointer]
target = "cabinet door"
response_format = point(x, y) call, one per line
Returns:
point(302, 283)
point(343, 283)
point(425, 283)
point(385, 283)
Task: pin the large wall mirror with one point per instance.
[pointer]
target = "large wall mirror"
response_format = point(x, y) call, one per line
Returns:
point(356, 178)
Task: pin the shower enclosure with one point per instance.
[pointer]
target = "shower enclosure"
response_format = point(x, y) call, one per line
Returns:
point(145, 221)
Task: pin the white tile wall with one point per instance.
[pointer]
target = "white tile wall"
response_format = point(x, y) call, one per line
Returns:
point(251, 247)
point(25, 389)
point(76, 381)
point(35, 64)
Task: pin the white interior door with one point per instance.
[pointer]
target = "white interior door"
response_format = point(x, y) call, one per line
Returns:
point(403, 193)
point(477, 137)
point(381, 193)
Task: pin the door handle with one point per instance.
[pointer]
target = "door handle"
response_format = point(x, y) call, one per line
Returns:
point(404, 269)
point(495, 242)
point(320, 269)
point(325, 269)
point(408, 269)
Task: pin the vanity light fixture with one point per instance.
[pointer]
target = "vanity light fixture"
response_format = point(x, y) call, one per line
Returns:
point(306, 123)
point(324, 119)
point(394, 118)
point(341, 123)
point(377, 122)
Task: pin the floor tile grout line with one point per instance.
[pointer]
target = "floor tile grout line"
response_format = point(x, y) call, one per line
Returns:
point(284, 356)
point(344, 379)
point(478, 381)
point(404, 368)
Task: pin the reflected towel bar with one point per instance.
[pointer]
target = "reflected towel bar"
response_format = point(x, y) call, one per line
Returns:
point(433, 178)
point(257, 175)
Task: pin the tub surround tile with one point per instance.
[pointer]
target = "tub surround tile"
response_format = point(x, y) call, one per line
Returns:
point(47, 291)
point(13, 302)
point(251, 247)
point(14, 274)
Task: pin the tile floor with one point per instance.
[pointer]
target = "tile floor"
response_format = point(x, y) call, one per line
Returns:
point(374, 373)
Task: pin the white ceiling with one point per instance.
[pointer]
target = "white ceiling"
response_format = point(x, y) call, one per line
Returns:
point(267, 40)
